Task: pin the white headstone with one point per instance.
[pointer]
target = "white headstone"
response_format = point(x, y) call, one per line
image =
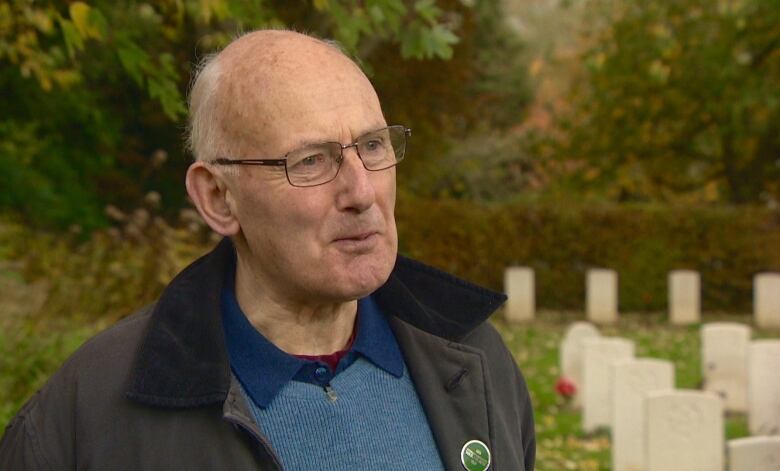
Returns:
point(519, 287)
point(684, 297)
point(572, 352)
point(631, 381)
point(724, 351)
point(766, 300)
point(684, 431)
point(754, 454)
point(764, 387)
point(602, 296)
point(600, 353)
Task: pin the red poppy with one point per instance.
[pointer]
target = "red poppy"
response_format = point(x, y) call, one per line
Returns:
point(565, 387)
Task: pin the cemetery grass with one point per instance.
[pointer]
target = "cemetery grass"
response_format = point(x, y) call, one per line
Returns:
point(31, 351)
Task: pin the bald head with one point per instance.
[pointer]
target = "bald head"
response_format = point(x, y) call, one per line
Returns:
point(254, 91)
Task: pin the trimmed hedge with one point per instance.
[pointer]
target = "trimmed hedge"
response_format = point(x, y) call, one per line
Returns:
point(114, 271)
point(727, 245)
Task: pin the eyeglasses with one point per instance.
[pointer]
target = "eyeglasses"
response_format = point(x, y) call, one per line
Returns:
point(320, 163)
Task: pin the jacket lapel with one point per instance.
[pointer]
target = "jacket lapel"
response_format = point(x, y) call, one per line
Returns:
point(182, 361)
point(430, 312)
point(450, 382)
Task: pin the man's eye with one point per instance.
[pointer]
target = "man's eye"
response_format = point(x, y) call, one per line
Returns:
point(373, 144)
point(312, 160)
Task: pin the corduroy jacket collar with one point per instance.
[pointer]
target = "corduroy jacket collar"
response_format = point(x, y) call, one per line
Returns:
point(183, 361)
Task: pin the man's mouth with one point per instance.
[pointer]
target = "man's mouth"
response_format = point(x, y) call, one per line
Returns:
point(360, 242)
point(357, 237)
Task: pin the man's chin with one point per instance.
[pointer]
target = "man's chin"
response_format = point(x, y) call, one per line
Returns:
point(358, 280)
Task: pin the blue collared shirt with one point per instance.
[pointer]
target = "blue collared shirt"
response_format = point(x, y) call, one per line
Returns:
point(263, 369)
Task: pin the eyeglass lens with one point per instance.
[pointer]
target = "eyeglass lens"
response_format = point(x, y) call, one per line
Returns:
point(317, 164)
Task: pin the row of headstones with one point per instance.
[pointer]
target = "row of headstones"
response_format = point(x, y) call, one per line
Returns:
point(602, 296)
point(655, 427)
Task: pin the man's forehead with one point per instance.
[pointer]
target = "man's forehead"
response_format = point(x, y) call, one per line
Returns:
point(286, 65)
point(274, 53)
point(290, 89)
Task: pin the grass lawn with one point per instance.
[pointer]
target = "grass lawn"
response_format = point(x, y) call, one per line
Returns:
point(29, 355)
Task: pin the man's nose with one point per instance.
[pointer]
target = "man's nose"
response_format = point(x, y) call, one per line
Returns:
point(355, 188)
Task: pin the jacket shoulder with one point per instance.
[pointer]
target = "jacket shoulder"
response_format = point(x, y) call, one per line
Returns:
point(485, 337)
point(43, 433)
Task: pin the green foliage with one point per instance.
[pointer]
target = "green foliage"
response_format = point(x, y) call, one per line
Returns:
point(728, 246)
point(479, 94)
point(114, 271)
point(98, 88)
point(491, 166)
point(680, 101)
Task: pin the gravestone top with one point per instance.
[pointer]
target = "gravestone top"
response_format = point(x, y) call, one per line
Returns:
point(724, 352)
point(764, 387)
point(684, 297)
point(572, 352)
point(632, 380)
point(754, 454)
point(766, 299)
point(601, 295)
point(521, 297)
point(684, 431)
point(597, 396)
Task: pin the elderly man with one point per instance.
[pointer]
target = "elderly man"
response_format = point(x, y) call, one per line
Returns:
point(302, 341)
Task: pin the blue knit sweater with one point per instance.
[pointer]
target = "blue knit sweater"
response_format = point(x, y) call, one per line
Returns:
point(376, 422)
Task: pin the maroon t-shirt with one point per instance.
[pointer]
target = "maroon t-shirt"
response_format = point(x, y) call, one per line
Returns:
point(332, 359)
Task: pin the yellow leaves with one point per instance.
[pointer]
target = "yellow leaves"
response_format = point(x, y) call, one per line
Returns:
point(6, 18)
point(321, 5)
point(660, 30)
point(596, 62)
point(600, 58)
point(84, 19)
point(743, 57)
point(66, 77)
point(23, 29)
point(592, 173)
point(85, 23)
point(729, 7)
point(711, 192)
point(659, 71)
point(750, 145)
point(213, 9)
point(42, 20)
point(536, 67)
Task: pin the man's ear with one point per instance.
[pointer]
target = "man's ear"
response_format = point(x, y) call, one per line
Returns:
point(210, 194)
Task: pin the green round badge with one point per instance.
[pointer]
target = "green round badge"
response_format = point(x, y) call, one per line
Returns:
point(475, 456)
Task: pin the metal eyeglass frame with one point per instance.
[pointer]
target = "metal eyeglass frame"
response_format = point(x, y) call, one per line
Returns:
point(407, 132)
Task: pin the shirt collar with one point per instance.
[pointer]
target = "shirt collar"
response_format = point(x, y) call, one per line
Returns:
point(375, 339)
point(263, 369)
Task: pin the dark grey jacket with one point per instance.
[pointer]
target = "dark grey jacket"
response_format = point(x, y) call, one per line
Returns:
point(155, 391)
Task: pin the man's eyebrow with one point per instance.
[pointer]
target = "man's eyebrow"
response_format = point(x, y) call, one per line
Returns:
point(306, 141)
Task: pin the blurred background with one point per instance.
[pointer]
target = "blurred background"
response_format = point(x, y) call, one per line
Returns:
point(555, 134)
